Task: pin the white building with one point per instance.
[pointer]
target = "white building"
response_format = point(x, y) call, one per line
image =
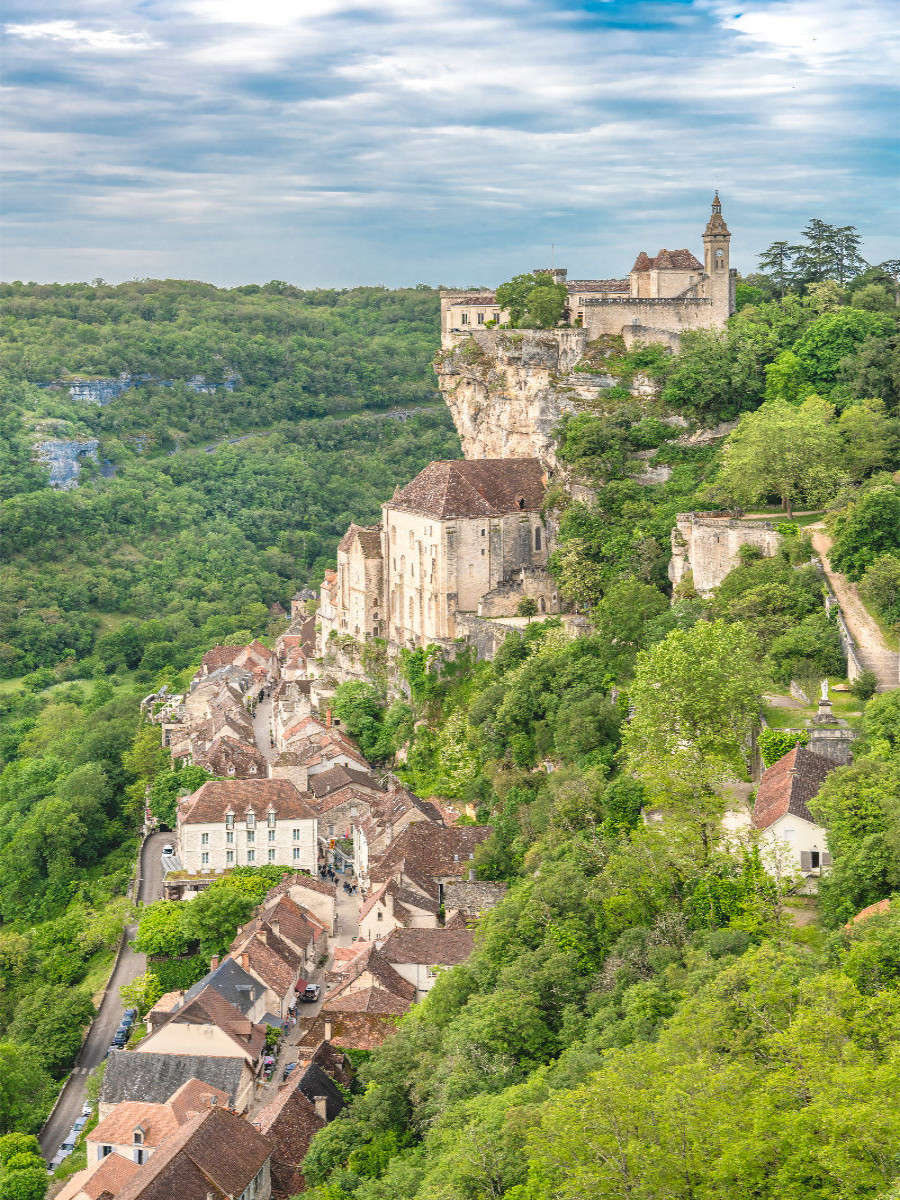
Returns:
point(246, 823)
point(795, 842)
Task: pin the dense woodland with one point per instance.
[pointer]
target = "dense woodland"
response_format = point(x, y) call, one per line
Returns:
point(641, 1018)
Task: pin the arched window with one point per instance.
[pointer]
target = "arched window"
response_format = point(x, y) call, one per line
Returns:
point(537, 539)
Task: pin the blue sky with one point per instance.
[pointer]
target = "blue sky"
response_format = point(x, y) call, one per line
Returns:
point(328, 142)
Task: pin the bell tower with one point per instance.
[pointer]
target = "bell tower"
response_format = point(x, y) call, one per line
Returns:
point(716, 243)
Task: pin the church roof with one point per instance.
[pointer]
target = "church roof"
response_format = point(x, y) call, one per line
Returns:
point(667, 260)
point(486, 487)
point(369, 540)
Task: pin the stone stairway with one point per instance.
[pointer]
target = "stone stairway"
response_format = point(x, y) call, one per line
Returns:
point(885, 664)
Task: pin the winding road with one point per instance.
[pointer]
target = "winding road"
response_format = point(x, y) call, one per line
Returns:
point(103, 1028)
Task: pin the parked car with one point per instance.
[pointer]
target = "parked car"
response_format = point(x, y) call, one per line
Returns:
point(129, 1018)
point(79, 1124)
point(69, 1144)
point(87, 1110)
point(58, 1158)
point(310, 994)
point(287, 1070)
point(121, 1038)
point(168, 848)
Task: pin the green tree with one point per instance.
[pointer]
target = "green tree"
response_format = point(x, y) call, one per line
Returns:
point(546, 304)
point(776, 261)
point(51, 1020)
point(880, 587)
point(142, 993)
point(527, 607)
point(785, 379)
point(25, 1088)
point(27, 1183)
point(775, 743)
point(832, 337)
point(696, 699)
point(14, 1144)
point(360, 708)
point(866, 530)
point(160, 930)
point(213, 918)
point(782, 449)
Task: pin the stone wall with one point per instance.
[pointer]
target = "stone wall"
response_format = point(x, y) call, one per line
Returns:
point(708, 546)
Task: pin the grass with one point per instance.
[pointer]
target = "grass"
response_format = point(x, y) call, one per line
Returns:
point(844, 705)
point(778, 516)
point(99, 969)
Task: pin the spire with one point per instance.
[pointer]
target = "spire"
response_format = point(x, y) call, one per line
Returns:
point(716, 223)
point(717, 203)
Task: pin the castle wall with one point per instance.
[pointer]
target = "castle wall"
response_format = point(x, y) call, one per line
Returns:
point(671, 316)
point(709, 547)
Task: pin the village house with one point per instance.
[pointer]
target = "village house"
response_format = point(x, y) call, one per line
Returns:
point(394, 907)
point(462, 537)
point(465, 902)
point(796, 843)
point(311, 894)
point(290, 1121)
point(426, 857)
point(99, 1181)
point(242, 990)
point(383, 819)
point(155, 1078)
point(320, 746)
point(260, 952)
point(299, 929)
point(216, 1153)
point(362, 1007)
point(137, 1128)
point(246, 822)
point(419, 955)
point(208, 1025)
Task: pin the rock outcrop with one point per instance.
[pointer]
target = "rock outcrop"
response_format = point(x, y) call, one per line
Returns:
point(64, 459)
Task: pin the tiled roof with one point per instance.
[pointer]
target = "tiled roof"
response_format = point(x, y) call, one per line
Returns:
point(667, 260)
point(435, 851)
point(220, 656)
point(597, 285)
point(155, 1077)
point(195, 1097)
point(428, 947)
point(290, 1122)
point(372, 961)
point(315, 1082)
point(227, 752)
point(215, 1153)
point(878, 909)
point(231, 982)
point(110, 1175)
point(210, 1008)
point(473, 896)
point(486, 487)
point(376, 1001)
point(401, 896)
point(214, 799)
point(368, 536)
point(301, 881)
point(268, 957)
point(788, 786)
point(158, 1121)
point(340, 776)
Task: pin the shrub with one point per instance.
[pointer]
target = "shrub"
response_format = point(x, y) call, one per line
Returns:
point(865, 687)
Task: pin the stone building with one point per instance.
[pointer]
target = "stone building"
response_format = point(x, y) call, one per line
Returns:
point(463, 536)
point(708, 546)
point(662, 296)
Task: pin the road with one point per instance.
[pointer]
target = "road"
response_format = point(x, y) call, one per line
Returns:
point(129, 966)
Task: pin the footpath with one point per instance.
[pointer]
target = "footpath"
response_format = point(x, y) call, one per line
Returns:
point(874, 653)
point(127, 967)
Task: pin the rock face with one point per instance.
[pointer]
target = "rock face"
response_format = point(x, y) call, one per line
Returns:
point(508, 389)
point(64, 459)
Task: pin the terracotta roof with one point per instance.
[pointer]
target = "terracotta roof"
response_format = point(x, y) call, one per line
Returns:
point(402, 897)
point(220, 656)
point(878, 909)
point(435, 851)
point(485, 487)
point(371, 961)
point(301, 881)
point(339, 776)
point(428, 947)
point(158, 1121)
point(269, 958)
point(286, 920)
point(109, 1175)
point(214, 799)
point(195, 1097)
point(788, 786)
point(374, 1000)
point(368, 536)
point(227, 752)
point(667, 260)
point(290, 1122)
point(215, 1153)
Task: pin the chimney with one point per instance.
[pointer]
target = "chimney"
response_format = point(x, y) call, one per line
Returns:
point(328, 1029)
point(214, 962)
point(472, 875)
point(263, 935)
point(242, 960)
point(321, 1103)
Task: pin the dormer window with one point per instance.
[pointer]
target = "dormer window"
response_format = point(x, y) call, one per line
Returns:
point(139, 1136)
point(251, 820)
point(520, 501)
point(229, 820)
point(270, 816)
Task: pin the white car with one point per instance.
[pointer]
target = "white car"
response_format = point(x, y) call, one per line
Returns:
point(168, 849)
point(87, 1110)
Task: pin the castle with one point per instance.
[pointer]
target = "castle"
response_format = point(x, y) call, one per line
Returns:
point(662, 297)
point(468, 539)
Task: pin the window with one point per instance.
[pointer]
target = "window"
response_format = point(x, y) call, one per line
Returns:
point(251, 856)
point(483, 532)
point(229, 858)
point(104, 1150)
point(138, 1155)
point(296, 835)
point(331, 831)
point(271, 818)
point(296, 852)
point(537, 539)
point(251, 820)
point(464, 318)
point(380, 915)
point(451, 541)
point(815, 859)
point(229, 820)
point(251, 836)
point(481, 318)
point(271, 835)
point(482, 551)
point(271, 856)
point(204, 859)
point(204, 839)
point(229, 838)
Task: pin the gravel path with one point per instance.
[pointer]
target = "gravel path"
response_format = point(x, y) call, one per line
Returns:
point(874, 652)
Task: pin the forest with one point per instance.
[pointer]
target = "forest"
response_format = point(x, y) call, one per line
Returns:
point(642, 1016)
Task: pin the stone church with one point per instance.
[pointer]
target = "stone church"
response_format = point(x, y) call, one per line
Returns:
point(662, 297)
point(462, 537)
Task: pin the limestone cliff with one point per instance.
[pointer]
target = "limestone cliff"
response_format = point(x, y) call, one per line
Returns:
point(508, 389)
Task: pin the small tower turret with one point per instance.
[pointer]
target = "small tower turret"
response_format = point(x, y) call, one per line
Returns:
point(716, 245)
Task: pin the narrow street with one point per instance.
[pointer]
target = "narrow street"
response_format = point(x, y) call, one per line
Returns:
point(104, 1026)
point(262, 725)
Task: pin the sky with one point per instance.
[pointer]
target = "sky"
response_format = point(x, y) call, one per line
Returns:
point(333, 142)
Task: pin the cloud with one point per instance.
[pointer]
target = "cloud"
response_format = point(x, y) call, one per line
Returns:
point(394, 142)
